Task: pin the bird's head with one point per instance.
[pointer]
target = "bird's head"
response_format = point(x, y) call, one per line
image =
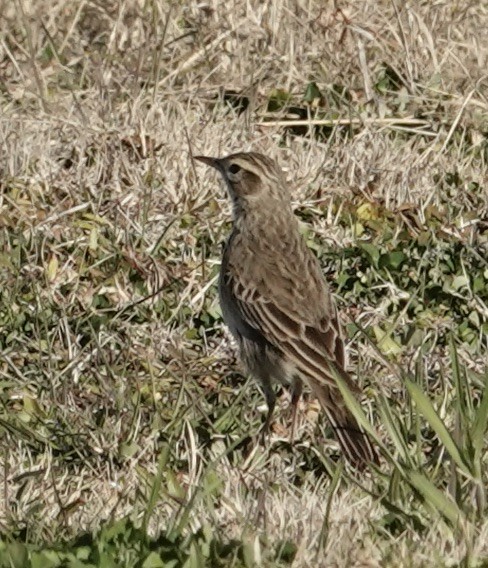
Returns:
point(250, 178)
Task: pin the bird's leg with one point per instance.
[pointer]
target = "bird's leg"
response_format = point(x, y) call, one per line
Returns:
point(296, 393)
point(271, 403)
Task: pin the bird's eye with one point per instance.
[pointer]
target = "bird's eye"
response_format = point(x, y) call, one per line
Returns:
point(234, 168)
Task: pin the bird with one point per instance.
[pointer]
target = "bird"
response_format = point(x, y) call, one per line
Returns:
point(276, 303)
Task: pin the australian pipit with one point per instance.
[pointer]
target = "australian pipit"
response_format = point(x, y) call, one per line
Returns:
point(276, 302)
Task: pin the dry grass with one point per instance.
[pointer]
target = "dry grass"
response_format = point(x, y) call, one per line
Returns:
point(111, 342)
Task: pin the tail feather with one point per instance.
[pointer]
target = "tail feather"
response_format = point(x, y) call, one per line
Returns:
point(353, 440)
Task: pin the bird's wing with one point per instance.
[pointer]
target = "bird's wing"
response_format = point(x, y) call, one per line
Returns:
point(296, 314)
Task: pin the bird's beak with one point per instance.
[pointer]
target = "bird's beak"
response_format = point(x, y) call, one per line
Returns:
point(214, 162)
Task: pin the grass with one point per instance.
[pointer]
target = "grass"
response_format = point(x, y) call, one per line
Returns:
point(126, 429)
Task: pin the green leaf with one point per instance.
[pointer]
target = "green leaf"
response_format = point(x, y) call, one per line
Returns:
point(312, 93)
point(286, 551)
point(128, 449)
point(16, 555)
point(153, 560)
point(106, 560)
point(478, 284)
point(278, 99)
point(386, 343)
point(474, 319)
point(459, 282)
point(212, 483)
point(367, 211)
point(45, 559)
point(372, 251)
point(393, 260)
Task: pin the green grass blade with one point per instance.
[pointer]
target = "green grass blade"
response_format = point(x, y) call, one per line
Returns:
point(428, 412)
point(334, 485)
point(480, 424)
point(436, 498)
point(391, 425)
point(462, 388)
point(355, 407)
point(156, 487)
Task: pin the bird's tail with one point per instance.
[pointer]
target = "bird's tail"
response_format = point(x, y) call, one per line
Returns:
point(353, 440)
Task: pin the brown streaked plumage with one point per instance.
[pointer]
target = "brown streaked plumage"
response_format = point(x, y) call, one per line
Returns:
point(276, 302)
